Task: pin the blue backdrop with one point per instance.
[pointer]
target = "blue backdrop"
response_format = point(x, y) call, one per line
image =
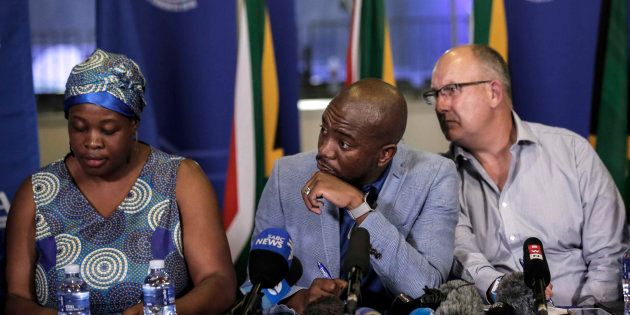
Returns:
point(552, 53)
point(188, 56)
point(19, 154)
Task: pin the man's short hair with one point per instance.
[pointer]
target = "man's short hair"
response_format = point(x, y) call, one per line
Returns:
point(493, 60)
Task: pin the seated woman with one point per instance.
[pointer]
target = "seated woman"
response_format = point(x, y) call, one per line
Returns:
point(112, 205)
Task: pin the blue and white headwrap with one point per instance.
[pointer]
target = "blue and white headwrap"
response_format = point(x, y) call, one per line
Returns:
point(108, 80)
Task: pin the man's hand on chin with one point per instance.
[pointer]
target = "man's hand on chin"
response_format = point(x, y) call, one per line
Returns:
point(326, 186)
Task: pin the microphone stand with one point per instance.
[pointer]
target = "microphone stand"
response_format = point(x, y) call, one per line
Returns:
point(540, 302)
point(251, 305)
point(354, 291)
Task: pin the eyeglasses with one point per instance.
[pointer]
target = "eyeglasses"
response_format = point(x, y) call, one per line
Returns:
point(447, 91)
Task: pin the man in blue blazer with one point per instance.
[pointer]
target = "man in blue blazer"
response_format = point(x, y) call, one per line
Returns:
point(362, 176)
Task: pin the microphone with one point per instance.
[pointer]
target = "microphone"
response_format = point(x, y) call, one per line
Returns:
point(279, 291)
point(270, 258)
point(326, 305)
point(536, 272)
point(356, 262)
point(461, 298)
point(513, 296)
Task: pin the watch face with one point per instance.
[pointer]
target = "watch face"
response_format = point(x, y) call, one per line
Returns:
point(371, 197)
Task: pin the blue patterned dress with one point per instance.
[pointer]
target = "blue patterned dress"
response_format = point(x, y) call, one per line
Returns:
point(113, 252)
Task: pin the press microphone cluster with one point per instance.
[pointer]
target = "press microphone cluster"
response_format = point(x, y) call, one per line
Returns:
point(356, 263)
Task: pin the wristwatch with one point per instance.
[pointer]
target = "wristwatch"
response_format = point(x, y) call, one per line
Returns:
point(368, 205)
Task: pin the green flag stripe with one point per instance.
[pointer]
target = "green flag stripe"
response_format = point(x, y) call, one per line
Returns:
point(372, 38)
point(256, 19)
point(482, 12)
point(612, 130)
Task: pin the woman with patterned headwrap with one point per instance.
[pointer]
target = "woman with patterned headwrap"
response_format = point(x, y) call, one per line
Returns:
point(112, 205)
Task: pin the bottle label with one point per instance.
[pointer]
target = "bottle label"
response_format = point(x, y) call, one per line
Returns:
point(158, 296)
point(74, 302)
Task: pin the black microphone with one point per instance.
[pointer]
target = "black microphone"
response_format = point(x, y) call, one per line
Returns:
point(513, 296)
point(536, 272)
point(280, 290)
point(270, 258)
point(356, 262)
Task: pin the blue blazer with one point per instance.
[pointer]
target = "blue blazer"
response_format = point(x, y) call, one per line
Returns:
point(412, 226)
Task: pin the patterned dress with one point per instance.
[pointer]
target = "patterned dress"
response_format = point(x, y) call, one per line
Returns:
point(113, 252)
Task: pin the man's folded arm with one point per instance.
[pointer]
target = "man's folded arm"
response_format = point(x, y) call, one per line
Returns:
point(424, 257)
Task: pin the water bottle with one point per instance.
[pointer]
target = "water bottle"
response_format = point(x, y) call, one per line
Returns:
point(158, 290)
point(73, 295)
point(625, 282)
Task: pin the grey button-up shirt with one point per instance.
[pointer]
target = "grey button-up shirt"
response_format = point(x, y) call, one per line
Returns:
point(557, 190)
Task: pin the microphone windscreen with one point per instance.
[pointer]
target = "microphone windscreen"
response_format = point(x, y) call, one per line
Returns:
point(327, 305)
point(500, 308)
point(358, 254)
point(270, 257)
point(535, 265)
point(461, 298)
point(513, 291)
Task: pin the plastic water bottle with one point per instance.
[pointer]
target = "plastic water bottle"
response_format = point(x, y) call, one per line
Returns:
point(158, 290)
point(73, 295)
point(625, 282)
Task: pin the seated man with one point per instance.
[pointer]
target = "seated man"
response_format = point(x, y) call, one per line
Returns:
point(522, 179)
point(319, 196)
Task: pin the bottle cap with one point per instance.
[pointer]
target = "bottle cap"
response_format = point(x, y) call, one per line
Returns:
point(156, 264)
point(72, 268)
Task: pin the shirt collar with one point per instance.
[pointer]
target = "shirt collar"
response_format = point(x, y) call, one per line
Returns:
point(524, 135)
point(378, 184)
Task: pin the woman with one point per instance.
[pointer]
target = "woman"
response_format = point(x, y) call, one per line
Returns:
point(113, 204)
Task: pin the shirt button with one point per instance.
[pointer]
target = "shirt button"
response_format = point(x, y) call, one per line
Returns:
point(504, 204)
point(512, 238)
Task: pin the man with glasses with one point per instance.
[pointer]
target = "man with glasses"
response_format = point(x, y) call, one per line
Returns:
point(522, 179)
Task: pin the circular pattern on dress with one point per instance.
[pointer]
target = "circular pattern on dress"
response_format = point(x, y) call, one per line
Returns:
point(137, 246)
point(47, 225)
point(68, 249)
point(177, 238)
point(138, 198)
point(98, 302)
point(45, 188)
point(177, 271)
point(73, 205)
point(156, 213)
point(42, 230)
point(162, 181)
point(124, 295)
point(105, 230)
point(104, 267)
point(41, 285)
point(96, 60)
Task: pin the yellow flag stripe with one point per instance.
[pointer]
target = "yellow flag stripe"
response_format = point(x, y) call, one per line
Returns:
point(498, 29)
point(270, 99)
point(388, 64)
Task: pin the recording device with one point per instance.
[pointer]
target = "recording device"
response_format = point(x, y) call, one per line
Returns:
point(513, 296)
point(536, 272)
point(270, 259)
point(355, 263)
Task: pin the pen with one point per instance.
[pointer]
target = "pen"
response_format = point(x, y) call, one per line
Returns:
point(324, 271)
